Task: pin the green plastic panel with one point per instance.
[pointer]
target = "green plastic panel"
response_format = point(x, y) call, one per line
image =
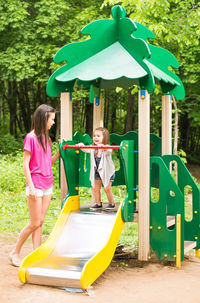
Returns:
point(155, 150)
point(192, 227)
point(86, 139)
point(170, 196)
point(156, 144)
point(84, 160)
point(105, 65)
point(71, 166)
point(163, 239)
point(77, 169)
point(116, 139)
point(127, 155)
point(90, 61)
point(159, 63)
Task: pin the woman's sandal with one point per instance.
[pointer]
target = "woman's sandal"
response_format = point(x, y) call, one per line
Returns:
point(14, 260)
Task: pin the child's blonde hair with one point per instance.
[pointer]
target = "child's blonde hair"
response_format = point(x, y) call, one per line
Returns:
point(105, 132)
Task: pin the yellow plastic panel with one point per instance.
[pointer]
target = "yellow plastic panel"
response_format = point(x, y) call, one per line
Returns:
point(42, 252)
point(98, 264)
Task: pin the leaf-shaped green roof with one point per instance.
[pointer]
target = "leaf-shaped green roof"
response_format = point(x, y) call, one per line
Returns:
point(159, 63)
point(116, 54)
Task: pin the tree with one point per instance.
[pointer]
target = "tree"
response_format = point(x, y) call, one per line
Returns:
point(31, 34)
point(176, 25)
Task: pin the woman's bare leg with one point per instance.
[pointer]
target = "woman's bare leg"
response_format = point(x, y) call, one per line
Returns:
point(37, 234)
point(34, 206)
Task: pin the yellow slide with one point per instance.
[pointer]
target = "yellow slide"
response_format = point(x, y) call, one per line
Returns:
point(79, 249)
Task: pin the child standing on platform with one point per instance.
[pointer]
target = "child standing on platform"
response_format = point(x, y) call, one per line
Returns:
point(102, 169)
point(37, 164)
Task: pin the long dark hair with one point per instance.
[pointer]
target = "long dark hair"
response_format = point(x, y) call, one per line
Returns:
point(39, 124)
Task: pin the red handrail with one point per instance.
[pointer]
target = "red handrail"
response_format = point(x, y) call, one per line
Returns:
point(66, 146)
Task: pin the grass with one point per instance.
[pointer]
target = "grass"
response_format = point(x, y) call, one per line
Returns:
point(13, 203)
point(14, 213)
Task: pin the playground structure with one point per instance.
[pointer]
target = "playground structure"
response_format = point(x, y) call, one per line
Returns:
point(76, 253)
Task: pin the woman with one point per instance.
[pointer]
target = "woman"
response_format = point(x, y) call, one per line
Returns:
point(37, 165)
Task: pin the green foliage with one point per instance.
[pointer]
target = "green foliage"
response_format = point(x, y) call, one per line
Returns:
point(13, 207)
point(11, 177)
point(31, 34)
point(33, 31)
point(176, 25)
point(37, 29)
point(192, 159)
point(10, 145)
point(122, 264)
point(129, 236)
point(182, 155)
point(13, 202)
point(14, 213)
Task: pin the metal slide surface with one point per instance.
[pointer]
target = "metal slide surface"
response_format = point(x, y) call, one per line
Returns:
point(79, 249)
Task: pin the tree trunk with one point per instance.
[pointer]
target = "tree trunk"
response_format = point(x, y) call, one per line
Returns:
point(129, 116)
point(89, 117)
point(37, 99)
point(113, 117)
point(11, 99)
point(57, 126)
point(187, 137)
point(175, 148)
point(106, 109)
point(28, 106)
point(23, 107)
point(185, 131)
point(82, 112)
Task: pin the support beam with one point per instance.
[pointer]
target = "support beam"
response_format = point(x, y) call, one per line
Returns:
point(66, 134)
point(98, 121)
point(166, 125)
point(144, 173)
point(98, 113)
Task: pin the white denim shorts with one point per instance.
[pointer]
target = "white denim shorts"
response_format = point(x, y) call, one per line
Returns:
point(40, 192)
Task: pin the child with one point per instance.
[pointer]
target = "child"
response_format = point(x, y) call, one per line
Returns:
point(37, 165)
point(102, 170)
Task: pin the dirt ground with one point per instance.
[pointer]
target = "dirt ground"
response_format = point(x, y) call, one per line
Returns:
point(151, 283)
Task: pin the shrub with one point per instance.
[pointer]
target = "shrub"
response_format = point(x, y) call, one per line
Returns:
point(10, 145)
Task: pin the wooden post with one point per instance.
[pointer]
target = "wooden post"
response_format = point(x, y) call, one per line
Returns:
point(98, 113)
point(144, 173)
point(178, 240)
point(166, 125)
point(98, 118)
point(66, 134)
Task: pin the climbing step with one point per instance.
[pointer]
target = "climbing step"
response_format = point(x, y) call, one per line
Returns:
point(170, 221)
point(188, 245)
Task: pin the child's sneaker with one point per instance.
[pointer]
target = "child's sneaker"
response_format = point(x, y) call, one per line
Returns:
point(110, 206)
point(96, 207)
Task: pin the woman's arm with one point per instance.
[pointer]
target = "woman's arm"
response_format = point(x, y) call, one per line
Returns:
point(26, 160)
point(55, 157)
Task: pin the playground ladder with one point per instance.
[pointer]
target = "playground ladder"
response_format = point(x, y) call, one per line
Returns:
point(163, 221)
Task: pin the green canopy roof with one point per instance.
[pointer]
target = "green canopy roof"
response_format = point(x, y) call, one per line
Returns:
point(117, 54)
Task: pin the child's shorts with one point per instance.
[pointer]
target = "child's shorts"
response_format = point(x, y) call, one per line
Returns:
point(41, 192)
point(97, 176)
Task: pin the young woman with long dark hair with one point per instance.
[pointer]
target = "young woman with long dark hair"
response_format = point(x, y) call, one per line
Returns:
point(37, 165)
